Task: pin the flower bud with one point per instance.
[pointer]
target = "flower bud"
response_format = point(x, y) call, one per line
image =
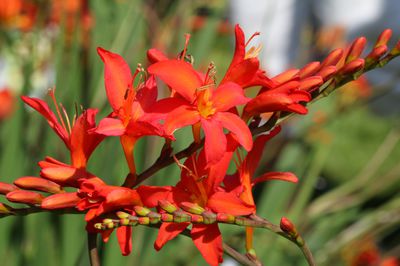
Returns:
point(356, 49)
point(37, 183)
point(197, 218)
point(376, 54)
point(209, 217)
point(122, 215)
point(225, 218)
point(166, 217)
point(311, 82)
point(333, 58)
point(154, 217)
point(192, 207)
point(288, 227)
point(142, 211)
point(167, 206)
point(181, 217)
point(383, 38)
point(144, 220)
point(327, 72)
point(25, 196)
point(6, 188)
point(352, 67)
point(285, 76)
point(60, 201)
point(309, 69)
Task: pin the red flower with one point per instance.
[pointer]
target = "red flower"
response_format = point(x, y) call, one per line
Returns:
point(76, 137)
point(130, 118)
point(7, 103)
point(99, 198)
point(285, 97)
point(245, 66)
point(202, 105)
point(200, 186)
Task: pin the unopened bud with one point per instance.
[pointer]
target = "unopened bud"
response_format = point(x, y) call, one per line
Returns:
point(6, 188)
point(352, 67)
point(60, 201)
point(209, 217)
point(99, 226)
point(25, 196)
point(181, 217)
point(124, 221)
point(309, 69)
point(376, 54)
point(37, 183)
point(166, 217)
point(225, 218)
point(383, 38)
point(122, 215)
point(288, 227)
point(311, 82)
point(356, 49)
point(167, 206)
point(142, 211)
point(333, 58)
point(327, 72)
point(192, 207)
point(197, 218)
point(144, 220)
point(154, 217)
point(285, 76)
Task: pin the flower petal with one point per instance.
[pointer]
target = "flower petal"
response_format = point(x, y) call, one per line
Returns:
point(215, 140)
point(167, 232)
point(284, 176)
point(238, 127)
point(223, 202)
point(178, 75)
point(180, 117)
point(42, 107)
point(227, 96)
point(110, 127)
point(117, 77)
point(150, 195)
point(124, 235)
point(208, 240)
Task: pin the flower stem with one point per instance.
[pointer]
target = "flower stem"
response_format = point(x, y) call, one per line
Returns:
point(92, 247)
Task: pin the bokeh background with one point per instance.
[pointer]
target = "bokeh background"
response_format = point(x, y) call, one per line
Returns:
point(346, 151)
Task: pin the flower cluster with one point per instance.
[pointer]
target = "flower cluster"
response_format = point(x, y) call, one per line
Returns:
point(226, 125)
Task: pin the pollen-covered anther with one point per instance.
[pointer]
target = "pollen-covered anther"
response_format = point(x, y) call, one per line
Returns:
point(209, 217)
point(192, 207)
point(167, 206)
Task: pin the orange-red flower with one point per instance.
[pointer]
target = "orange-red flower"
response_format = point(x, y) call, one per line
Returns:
point(98, 198)
point(130, 118)
point(245, 66)
point(77, 138)
point(201, 104)
point(199, 185)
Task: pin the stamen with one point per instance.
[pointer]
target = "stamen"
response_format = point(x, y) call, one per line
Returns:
point(182, 166)
point(66, 118)
point(211, 71)
point(257, 33)
point(187, 38)
point(51, 93)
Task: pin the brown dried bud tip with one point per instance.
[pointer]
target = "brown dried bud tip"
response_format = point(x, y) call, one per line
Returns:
point(167, 206)
point(288, 227)
point(192, 207)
